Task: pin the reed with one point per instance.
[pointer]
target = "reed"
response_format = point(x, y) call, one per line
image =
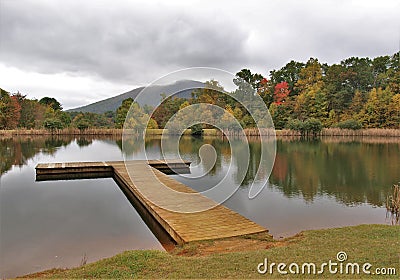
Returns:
point(393, 204)
point(393, 201)
point(65, 131)
point(376, 132)
point(371, 132)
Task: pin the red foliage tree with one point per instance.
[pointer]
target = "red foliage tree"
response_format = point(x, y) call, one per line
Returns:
point(281, 93)
point(10, 110)
point(15, 112)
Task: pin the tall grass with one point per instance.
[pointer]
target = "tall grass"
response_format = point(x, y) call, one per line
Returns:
point(380, 132)
point(371, 132)
point(376, 132)
point(393, 203)
point(65, 131)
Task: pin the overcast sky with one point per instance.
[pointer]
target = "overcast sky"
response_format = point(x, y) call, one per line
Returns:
point(84, 51)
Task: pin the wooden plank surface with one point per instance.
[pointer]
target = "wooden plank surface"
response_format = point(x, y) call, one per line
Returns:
point(160, 193)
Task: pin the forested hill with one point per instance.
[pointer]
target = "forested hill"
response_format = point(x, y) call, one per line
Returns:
point(112, 104)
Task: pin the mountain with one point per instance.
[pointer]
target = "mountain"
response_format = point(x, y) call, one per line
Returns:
point(152, 96)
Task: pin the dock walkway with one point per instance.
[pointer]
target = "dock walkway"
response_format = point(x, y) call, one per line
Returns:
point(216, 222)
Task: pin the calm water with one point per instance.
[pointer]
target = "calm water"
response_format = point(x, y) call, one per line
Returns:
point(314, 184)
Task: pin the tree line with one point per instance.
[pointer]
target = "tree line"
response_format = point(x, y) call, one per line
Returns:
point(18, 111)
point(355, 93)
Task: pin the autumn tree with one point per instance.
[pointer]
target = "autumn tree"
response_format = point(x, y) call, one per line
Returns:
point(168, 107)
point(393, 112)
point(212, 93)
point(311, 101)
point(32, 114)
point(10, 110)
point(227, 120)
point(281, 93)
point(290, 73)
point(265, 91)
point(375, 110)
point(356, 105)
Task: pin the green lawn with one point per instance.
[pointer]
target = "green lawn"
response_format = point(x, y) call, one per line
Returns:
point(376, 244)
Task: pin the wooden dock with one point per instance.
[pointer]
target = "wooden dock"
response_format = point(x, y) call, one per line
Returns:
point(152, 188)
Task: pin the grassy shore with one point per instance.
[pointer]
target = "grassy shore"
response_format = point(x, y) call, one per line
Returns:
point(375, 244)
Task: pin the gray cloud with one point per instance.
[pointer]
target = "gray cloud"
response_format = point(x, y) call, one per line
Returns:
point(135, 42)
point(115, 44)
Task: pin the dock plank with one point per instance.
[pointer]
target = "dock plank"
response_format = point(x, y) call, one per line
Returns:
point(158, 192)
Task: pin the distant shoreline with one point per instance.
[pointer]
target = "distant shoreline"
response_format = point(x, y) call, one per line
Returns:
point(376, 132)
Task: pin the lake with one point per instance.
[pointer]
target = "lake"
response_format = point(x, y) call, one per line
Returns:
point(329, 182)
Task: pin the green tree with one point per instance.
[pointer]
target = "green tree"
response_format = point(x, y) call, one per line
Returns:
point(53, 124)
point(313, 126)
point(51, 102)
point(297, 125)
point(122, 111)
point(279, 114)
point(358, 74)
point(349, 124)
point(338, 95)
point(253, 79)
point(83, 124)
point(380, 65)
point(82, 121)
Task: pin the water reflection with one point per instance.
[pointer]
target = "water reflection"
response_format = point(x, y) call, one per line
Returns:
point(16, 151)
point(353, 170)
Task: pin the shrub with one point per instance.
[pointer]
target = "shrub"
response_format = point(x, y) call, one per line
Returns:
point(52, 124)
point(82, 124)
point(296, 125)
point(349, 124)
point(197, 129)
point(313, 126)
point(152, 124)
